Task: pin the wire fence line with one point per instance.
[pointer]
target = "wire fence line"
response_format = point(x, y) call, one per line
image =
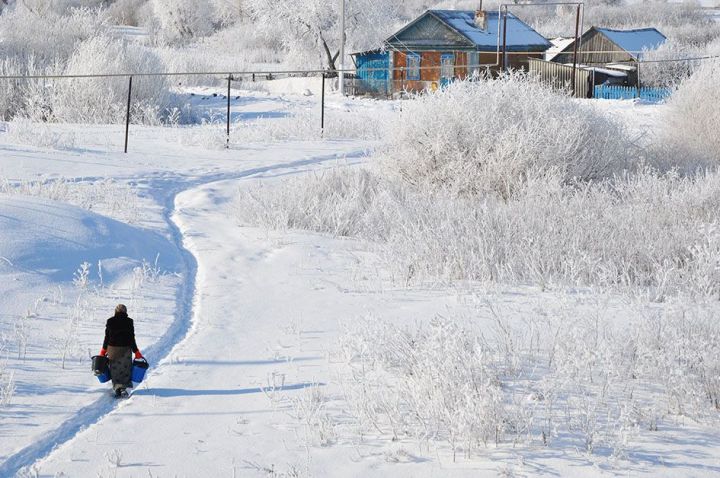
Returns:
point(229, 77)
point(268, 74)
point(396, 75)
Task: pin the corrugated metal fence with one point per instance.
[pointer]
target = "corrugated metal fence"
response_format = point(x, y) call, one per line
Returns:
point(560, 76)
point(615, 92)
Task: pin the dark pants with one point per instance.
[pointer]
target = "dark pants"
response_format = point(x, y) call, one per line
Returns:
point(120, 366)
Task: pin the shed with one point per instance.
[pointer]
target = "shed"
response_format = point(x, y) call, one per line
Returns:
point(442, 45)
point(605, 45)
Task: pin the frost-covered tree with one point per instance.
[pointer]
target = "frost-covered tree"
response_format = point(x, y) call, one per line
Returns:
point(129, 12)
point(310, 30)
point(663, 66)
point(180, 21)
point(94, 100)
point(47, 34)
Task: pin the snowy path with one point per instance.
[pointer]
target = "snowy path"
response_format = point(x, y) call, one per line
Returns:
point(49, 408)
point(267, 308)
point(165, 188)
point(220, 398)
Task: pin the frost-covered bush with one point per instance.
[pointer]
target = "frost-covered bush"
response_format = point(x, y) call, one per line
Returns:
point(36, 43)
point(527, 187)
point(92, 100)
point(439, 383)
point(30, 98)
point(47, 34)
point(338, 203)
point(495, 136)
point(693, 121)
point(656, 72)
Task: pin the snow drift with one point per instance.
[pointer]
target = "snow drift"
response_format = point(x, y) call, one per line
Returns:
point(54, 238)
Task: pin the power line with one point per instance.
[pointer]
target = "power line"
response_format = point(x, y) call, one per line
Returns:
point(268, 73)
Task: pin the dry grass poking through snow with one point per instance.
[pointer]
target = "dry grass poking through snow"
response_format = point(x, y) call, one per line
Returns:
point(106, 196)
point(566, 381)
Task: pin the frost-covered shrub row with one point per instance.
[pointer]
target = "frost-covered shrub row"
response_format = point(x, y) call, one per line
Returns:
point(28, 98)
point(334, 202)
point(495, 136)
point(562, 381)
point(37, 38)
point(692, 124)
point(86, 100)
point(652, 233)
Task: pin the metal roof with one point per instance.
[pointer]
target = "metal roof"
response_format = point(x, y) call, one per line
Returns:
point(519, 33)
point(634, 41)
point(520, 37)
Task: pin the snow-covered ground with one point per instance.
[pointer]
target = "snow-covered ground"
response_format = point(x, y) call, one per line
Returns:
point(240, 324)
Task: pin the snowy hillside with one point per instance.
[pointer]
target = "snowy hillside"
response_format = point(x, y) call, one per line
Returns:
point(245, 327)
point(490, 279)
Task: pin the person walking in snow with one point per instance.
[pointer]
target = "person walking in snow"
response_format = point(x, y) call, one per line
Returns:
point(118, 346)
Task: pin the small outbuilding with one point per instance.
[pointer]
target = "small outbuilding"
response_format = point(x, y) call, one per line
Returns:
point(605, 45)
point(606, 58)
point(443, 45)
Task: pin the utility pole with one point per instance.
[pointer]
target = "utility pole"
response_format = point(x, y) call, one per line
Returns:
point(575, 49)
point(342, 47)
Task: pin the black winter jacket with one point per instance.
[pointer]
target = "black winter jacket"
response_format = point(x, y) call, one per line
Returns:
point(120, 332)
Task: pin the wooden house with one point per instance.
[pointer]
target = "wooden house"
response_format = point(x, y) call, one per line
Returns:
point(443, 45)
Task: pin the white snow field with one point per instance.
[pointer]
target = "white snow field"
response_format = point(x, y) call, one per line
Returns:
point(240, 324)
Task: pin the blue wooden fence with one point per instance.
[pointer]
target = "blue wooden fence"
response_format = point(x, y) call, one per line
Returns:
point(372, 69)
point(615, 92)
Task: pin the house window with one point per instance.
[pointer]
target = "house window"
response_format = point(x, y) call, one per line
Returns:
point(447, 66)
point(413, 66)
point(473, 66)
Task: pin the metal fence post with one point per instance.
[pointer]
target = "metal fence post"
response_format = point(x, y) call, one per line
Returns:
point(322, 106)
point(127, 115)
point(227, 145)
